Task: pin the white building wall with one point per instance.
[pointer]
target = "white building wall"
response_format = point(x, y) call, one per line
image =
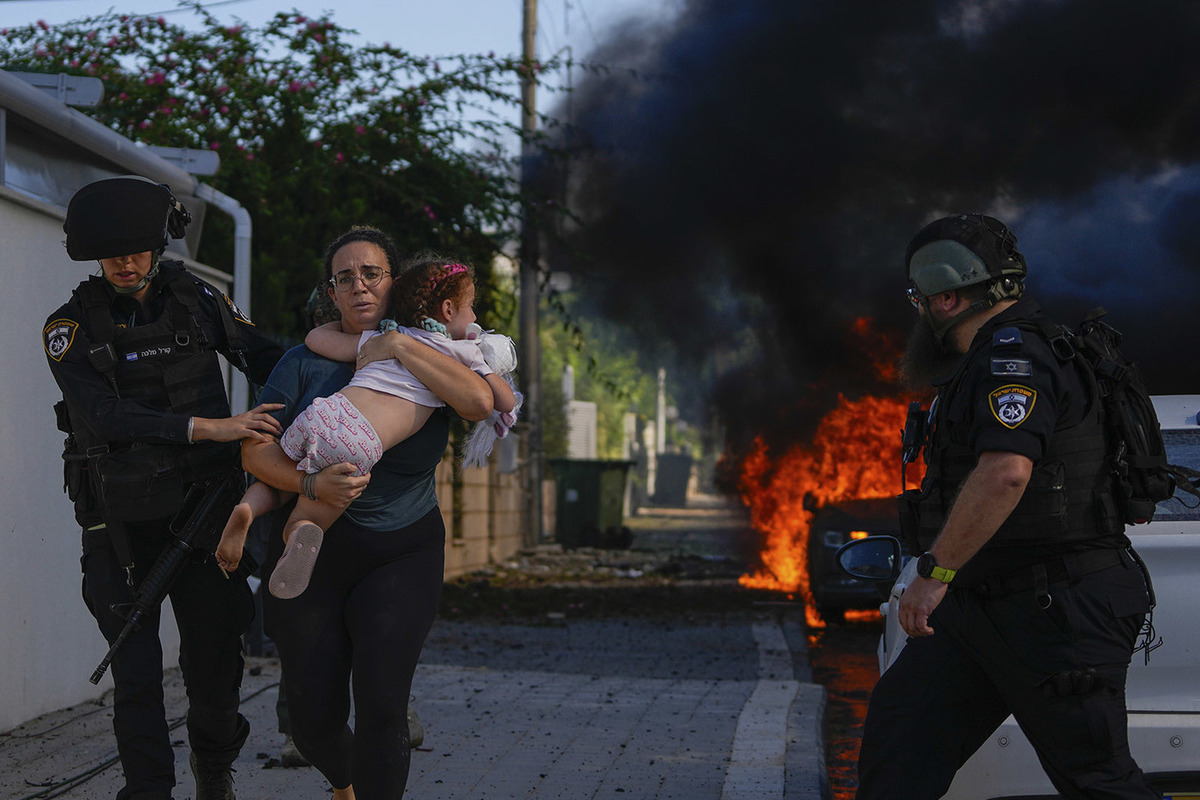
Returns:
point(49, 643)
point(581, 429)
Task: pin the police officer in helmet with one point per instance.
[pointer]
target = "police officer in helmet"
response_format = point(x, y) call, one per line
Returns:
point(134, 352)
point(1029, 599)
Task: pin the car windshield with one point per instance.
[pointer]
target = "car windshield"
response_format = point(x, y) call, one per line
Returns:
point(1183, 449)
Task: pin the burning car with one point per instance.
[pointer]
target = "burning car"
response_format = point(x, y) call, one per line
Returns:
point(833, 525)
point(1161, 698)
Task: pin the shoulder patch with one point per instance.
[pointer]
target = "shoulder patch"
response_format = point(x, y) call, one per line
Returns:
point(1006, 337)
point(59, 335)
point(1011, 405)
point(1013, 367)
point(237, 312)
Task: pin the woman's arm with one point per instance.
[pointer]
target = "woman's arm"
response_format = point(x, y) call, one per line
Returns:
point(502, 394)
point(448, 378)
point(328, 340)
point(336, 485)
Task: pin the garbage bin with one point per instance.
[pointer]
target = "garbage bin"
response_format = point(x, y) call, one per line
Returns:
point(589, 500)
point(671, 480)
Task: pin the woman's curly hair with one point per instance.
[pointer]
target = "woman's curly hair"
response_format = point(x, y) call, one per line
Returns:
point(424, 282)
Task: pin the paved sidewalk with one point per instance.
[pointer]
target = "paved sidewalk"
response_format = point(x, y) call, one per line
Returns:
point(624, 728)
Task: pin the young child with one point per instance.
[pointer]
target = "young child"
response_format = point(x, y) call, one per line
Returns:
point(382, 406)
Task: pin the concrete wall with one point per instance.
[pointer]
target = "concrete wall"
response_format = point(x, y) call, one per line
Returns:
point(491, 526)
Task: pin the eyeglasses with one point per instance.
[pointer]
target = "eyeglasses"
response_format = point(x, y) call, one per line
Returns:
point(913, 296)
point(344, 280)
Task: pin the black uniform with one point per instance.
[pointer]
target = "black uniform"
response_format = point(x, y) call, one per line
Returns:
point(129, 407)
point(1042, 621)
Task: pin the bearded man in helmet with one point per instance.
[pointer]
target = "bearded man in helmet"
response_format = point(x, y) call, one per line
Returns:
point(1029, 600)
point(134, 352)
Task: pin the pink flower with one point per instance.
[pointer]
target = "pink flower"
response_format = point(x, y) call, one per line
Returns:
point(144, 124)
point(223, 88)
point(74, 62)
point(319, 37)
point(155, 79)
point(295, 86)
point(301, 20)
point(429, 213)
point(360, 130)
point(111, 42)
point(91, 37)
point(41, 23)
point(161, 21)
point(249, 156)
point(123, 96)
point(233, 30)
point(214, 145)
point(224, 109)
point(339, 158)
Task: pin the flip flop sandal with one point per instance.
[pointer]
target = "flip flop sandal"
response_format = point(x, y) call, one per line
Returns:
point(292, 573)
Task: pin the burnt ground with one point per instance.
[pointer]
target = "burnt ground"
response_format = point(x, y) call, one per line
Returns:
point(681, 563)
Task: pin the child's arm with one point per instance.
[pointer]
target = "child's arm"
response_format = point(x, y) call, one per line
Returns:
point(502, 393)
point(329, 341)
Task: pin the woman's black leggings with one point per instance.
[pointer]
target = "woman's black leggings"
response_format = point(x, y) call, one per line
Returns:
point(364, 616)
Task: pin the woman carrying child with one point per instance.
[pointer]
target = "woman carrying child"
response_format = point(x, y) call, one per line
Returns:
point(375, 589)
point(382, 406)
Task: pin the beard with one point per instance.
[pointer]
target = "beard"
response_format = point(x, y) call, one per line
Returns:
point(925, 359)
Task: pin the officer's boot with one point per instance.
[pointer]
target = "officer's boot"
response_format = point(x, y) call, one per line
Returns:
point(213, 781)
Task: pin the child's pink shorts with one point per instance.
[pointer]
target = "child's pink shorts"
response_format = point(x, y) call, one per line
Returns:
point(331, 431)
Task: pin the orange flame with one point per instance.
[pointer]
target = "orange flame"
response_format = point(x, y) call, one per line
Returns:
point(854, 454)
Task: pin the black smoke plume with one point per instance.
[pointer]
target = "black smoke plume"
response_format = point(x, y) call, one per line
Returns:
point(750, 174)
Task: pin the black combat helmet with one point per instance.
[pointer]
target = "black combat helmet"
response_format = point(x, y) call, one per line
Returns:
point(963, 250)
point(122, 216)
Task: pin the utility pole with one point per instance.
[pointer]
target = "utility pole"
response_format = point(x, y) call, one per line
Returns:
point(531, 356)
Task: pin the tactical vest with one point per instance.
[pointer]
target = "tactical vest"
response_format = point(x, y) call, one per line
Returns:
point(168, 364)
point(1063, 502)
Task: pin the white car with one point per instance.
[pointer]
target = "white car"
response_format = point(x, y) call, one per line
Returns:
point(1163, 692)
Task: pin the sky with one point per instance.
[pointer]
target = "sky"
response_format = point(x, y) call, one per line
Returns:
point(420, 26)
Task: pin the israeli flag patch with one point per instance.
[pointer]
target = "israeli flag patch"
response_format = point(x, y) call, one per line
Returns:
point(1006, 337)
point(1013, 367)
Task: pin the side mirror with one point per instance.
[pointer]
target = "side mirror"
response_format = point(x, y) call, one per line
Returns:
point(875, 558)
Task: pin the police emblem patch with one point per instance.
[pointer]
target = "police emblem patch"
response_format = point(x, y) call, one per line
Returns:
point(1012, 405)
point(59, 335)
point(237, 312)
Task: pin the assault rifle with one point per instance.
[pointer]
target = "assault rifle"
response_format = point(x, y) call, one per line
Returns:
point(197, 528)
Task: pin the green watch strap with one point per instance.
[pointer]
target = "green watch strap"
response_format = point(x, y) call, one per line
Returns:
point(942, 574)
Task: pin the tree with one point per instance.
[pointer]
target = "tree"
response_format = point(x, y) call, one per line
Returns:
point(315, 134)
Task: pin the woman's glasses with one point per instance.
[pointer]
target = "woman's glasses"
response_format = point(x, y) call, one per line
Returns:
point(344, 280)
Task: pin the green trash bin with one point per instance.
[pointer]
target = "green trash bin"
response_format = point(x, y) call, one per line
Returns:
point(589, 502)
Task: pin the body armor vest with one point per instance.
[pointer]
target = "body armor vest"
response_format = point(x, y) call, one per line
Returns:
point(1063, 502)
point(167, 364)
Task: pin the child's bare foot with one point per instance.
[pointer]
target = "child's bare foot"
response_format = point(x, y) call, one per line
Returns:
point(294, 570)
point(233, 538)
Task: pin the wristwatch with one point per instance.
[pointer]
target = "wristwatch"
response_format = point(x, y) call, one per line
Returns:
point(927, 568)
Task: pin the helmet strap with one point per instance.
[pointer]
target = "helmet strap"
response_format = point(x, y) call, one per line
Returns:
point(940, 330)
point(144, 282)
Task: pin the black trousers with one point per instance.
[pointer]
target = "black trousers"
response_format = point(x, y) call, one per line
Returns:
point(948, 692)
point(359, 626)
point(212, 613)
